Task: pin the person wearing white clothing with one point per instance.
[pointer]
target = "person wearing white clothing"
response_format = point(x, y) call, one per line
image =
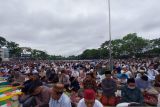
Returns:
point(82, 103)
point(58, 98)
point(89, 99)
point(125, 71)
point(75, 73)
point(152, 73)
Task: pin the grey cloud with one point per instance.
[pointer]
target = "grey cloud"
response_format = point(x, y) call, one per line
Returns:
point(69, 27)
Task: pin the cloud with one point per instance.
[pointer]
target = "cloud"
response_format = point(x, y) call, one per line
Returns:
point(67, 27)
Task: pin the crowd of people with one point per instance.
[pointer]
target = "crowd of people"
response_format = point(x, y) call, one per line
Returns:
point(133, 82)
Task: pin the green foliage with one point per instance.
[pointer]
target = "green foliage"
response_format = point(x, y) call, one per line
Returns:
point(38, 54)
point(133, 44)
point(100, 53)
point(129, 46)
point(155, 43)
point(104, 53)
point(14, 49)
point(90, 54)
point(2, 41)
point(58, 57)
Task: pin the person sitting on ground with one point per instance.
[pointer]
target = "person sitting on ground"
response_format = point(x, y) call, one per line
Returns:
point(89, 82)
point(64, 79)
point(131, 93)
point(74, 97)
point(117, 68)
point(58, 98)
point(29, 80)
point(42, 96)
point(126, 71)
point(157, 86)
point(157, 81)
point(74, 83)
point(52, 79)
point(122, 80)
point(38, 96)
point(89, 99)
point(10, 78)
point(141, 72)
point(115, 73)
point(18, 78)
point(81, 75)
point(143, 83)
point(75, 73)
point(152, 73)
point(133, 69)
point(109, 88)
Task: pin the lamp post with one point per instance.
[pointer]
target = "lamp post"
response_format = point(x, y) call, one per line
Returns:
point(110, 50)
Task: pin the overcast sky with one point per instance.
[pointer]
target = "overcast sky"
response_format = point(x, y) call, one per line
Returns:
point(68, 27)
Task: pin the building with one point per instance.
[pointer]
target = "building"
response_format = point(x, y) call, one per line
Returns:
point(26, 53)
point(4, 54)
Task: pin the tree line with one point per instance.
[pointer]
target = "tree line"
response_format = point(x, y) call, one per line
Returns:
point(130, 46)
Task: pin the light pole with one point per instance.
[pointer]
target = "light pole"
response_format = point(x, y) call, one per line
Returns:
point(110, 50)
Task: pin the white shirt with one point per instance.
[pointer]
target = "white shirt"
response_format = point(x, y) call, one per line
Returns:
point(82, 103)
point(34, 71)
point(27, 71)
point(64, 101)
point(128, 73)
point(152, 74)
point(75, 73)
point(122, 105)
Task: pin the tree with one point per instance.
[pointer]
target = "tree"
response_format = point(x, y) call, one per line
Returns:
point(2, 41)
point(38, 54)
point(72, 57)
point(132, 44)
point(91, 54)
point(12, 45)
point(14, 49)
point(104, 53)
point(116, 47)
point(155, 43)
point(43, 55)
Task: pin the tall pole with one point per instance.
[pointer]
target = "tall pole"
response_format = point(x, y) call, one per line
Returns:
point(110, 50)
